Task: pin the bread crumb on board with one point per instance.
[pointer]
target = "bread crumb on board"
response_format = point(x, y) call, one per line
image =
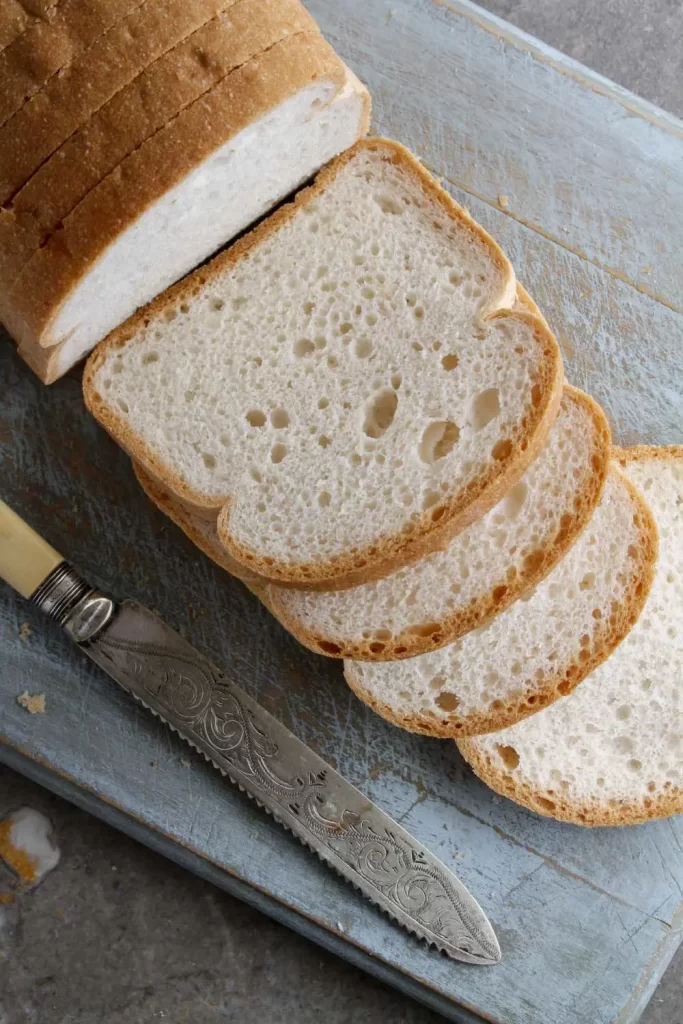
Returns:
point(25, 632)
point(504, 202)
point(33, 702)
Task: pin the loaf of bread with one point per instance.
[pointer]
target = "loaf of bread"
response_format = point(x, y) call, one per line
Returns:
point(612, 752)
point(345, 385)
point(175, 128)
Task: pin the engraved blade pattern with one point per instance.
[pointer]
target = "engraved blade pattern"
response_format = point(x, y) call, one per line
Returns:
point(304, 794)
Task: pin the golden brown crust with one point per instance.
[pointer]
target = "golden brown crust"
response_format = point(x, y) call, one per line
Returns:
point(242, 97)
point(69, 98)
point(437, 526)
point(524, 301)
point(147, 104)
point(47, 45)
point(16, 17)
point(592, 813)
point(164, 501)
point(607, 634)
point(561, 806)
point(504, 591)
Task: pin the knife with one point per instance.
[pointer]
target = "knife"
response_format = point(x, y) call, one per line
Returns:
point(303, 793)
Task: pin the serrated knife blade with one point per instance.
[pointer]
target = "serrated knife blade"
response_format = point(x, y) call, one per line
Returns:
point(243, 741)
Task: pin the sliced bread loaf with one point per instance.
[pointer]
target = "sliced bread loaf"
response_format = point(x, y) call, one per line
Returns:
point(612, 752)
point(288, 110)
point(69, 98)
point(542, 646)
point(481, 572)
point(343, 383)
point(156, 96)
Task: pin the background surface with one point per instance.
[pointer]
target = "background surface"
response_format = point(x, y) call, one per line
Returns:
point(117, 933)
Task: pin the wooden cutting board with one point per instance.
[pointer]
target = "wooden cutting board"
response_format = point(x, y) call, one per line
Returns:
point(582, 183)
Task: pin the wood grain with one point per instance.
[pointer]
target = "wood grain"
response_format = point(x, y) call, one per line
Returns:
point(587, 919)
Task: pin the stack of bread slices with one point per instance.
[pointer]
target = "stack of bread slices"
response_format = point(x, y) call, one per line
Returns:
point(137, 137)
point(356, 409)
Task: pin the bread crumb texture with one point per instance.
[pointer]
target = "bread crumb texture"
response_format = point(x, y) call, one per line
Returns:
point(612, 752)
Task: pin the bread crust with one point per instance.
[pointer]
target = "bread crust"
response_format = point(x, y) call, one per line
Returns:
point(164, 501)
point(32, 304)
point(594, 812)
point(607, 635)
point(436, 527)
point(71, 97)
point(16, 17)
point(157, 95)
point(45, 46)
point(503, 592)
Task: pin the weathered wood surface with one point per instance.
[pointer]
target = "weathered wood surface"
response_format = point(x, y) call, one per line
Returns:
point(587, 919)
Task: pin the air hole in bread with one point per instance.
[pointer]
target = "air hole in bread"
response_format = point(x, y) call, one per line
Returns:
point(388, 204)
point(151, 357)
point(303, 347)
point(380, 413)
point(324, 499)
point(508, 756)
point(485, 408)
point(323, 441)
point(634, 765)
point(501, 450)
point(438, 440)
point(411, 299)
point(447, 701)
point(123, 406)
point(376, 647)
point(547, 805)
point(513, 502)
point(430, 499)
point(209, 460)
point(328, 647)
point(170, 314)
point(279, 418)
point(450, 362)
point(277, 453)
point(422, 629)
point(419, 313)
point(363, 348)
point(256, 418)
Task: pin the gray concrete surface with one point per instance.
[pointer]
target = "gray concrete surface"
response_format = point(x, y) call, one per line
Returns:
point(117, 935)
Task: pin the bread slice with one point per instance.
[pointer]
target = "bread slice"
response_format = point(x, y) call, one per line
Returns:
point(290, 109)
point(542, 646)
point(612, 752)
point(69, 98)
point(343, 383)
point(202, 532)
point(439, 598)
point(47, 45)
point(156, 96)
point(485, 569)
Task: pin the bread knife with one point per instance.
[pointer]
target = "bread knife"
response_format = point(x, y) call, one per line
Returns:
point(237, 736)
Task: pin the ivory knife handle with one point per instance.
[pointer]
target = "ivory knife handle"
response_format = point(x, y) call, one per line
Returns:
point(25, 558)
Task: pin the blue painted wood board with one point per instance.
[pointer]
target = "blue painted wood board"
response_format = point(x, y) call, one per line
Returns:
point(583, 185)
